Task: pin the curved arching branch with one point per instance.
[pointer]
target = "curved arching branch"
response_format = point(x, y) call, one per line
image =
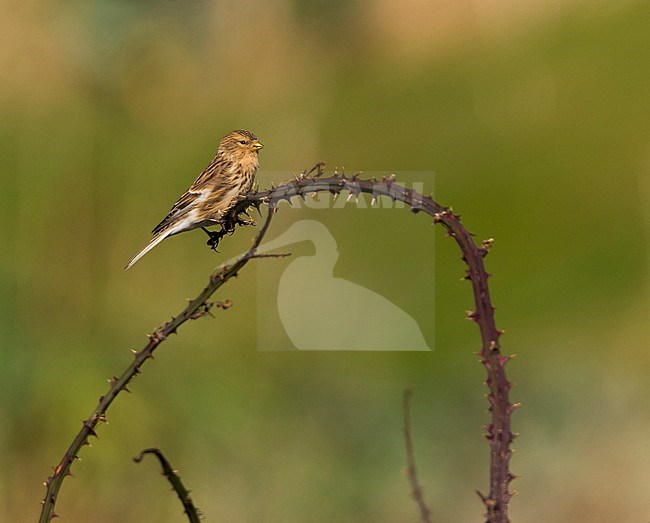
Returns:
point(498, 434)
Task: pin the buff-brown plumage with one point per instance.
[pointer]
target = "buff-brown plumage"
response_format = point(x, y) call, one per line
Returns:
point(229, 175)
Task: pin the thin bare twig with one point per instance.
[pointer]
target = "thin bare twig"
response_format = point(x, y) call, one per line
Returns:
point(193, 513)
point(197, 307)
point(416, 488)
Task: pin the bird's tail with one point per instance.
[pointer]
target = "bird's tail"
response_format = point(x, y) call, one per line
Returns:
point(154, 241)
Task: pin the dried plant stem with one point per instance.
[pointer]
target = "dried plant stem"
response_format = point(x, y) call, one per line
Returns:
point(196, 308)
point(174, 479)
point(416, 488)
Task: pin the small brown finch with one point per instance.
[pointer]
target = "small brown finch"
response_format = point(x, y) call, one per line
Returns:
point(228, 176)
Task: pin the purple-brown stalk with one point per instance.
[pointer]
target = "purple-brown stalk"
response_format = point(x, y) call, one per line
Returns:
point(498, 431)
point(498, 434)
point(193, 513)
point(411, 472)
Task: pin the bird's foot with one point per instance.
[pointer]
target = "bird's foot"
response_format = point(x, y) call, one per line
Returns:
point(215, 238)
point(243, 221)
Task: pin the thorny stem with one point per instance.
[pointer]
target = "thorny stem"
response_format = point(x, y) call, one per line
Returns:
point(196, 308)
point(416, 488)
point(174, 479)
point(498, 434)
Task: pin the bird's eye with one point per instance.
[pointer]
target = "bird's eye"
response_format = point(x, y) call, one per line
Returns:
point(243, 142)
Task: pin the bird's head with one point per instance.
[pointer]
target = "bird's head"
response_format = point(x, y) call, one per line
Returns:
point(240, 146)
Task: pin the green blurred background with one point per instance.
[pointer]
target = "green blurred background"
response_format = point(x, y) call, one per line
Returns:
point(536, 121)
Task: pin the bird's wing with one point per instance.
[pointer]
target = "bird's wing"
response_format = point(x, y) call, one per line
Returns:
point(208, 174)
point(181, 207)
point(197, 191)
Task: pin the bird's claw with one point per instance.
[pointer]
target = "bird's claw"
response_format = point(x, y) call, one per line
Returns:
point(215, 238)
point(242, 221)
point(213, 243)
point(227, 227)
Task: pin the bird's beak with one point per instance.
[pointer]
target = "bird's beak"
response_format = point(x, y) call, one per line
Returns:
point(257, 146)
